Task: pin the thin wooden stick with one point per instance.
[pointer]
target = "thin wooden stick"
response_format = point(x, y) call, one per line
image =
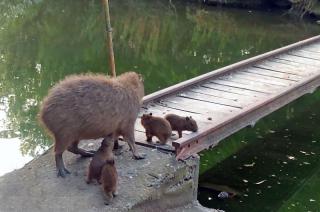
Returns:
point(109, 38)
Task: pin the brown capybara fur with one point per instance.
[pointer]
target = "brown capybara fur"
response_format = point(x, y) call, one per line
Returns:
point(91, 106)
point(109, 180)
point(156, 126)
point(103, 154)
point(180, 123)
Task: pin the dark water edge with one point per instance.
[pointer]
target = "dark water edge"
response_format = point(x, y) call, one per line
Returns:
point(275, 164)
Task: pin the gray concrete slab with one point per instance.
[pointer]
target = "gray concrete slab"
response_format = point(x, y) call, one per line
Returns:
point(159, 182)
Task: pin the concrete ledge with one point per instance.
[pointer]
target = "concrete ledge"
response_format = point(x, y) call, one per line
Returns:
point(157, 183)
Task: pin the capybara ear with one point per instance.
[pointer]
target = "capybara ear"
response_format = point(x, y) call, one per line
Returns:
point(187, 118)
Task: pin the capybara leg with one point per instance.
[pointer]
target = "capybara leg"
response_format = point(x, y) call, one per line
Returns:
point(62, 171)
point(76, 150)
point(109, 197)
point(180, 133)
point(117, 146)
point(162, 140)
point(130, 140)
point(149, 136)
point(89, 178)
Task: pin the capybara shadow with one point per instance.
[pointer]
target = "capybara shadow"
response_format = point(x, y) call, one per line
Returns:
point(109, 180)
point(103, 154)
point(180, 123)
point(91, 106)
point(156, 126)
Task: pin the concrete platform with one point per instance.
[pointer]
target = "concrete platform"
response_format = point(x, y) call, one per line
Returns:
point(157, 183)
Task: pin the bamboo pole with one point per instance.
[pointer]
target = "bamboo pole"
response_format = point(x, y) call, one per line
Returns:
point(108, 36)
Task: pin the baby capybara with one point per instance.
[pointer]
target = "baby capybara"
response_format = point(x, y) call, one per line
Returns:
point(91, 106)
point(103, 154)
point(109, 180)
point(156, 126)
point(179, 123)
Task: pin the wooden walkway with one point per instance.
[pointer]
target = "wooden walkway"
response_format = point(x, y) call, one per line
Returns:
point(231, 98)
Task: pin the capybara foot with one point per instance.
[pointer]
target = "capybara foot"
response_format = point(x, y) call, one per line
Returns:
point(108, 199)
point(62, 172)
point(140, 156)
point(88, 181)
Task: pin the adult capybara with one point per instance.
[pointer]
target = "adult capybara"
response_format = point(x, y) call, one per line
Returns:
point(103, 154)
point(109, 180)
point(156, 126)
point(179, 123)
point(91, 106)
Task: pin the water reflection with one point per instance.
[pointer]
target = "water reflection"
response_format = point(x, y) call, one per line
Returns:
point(42, 41)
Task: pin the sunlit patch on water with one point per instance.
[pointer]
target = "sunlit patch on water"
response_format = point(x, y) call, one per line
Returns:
point(10, 155)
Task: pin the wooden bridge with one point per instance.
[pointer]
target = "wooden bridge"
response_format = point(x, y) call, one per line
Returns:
point(228, 99)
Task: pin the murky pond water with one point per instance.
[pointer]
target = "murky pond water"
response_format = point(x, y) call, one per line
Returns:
point(42, 41)
point(274, 166)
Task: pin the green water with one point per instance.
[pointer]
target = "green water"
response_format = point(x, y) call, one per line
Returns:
point(41, 41)
point(276, 166)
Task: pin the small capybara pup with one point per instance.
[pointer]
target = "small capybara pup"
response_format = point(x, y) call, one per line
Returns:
point(109, 180)
point(156, 126)
point(179, 123)
point(91, 106)
point(100, 157)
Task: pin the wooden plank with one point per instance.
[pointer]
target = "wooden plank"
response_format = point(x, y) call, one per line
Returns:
point(272, 73)
point(264, 79)
point(249, 87)
point(161, 111)
point(312, 48)
point(222, 94)
point(185, 108)
point(281, 67)
point(233, 90)
point(200, 105)
point(241, 64)
point(309, 56)
point(211, 99)
point(236, 77)
point(205, 111)
point(299, 60)
point(303, 53)
point(304, 69)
